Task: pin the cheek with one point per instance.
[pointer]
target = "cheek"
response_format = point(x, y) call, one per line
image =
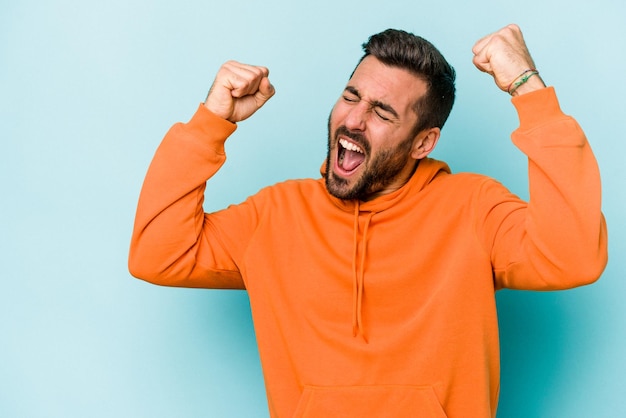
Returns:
point(381, 138)
point(338, 113)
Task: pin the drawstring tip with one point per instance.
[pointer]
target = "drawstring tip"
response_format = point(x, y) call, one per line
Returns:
point(356, 332)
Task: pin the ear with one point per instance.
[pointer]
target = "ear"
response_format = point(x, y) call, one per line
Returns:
point(425, 142)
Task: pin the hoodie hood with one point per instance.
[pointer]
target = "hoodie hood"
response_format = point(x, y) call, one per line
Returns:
point(427, 169)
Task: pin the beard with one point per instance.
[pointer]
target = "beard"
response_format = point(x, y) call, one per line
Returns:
point(378, 170)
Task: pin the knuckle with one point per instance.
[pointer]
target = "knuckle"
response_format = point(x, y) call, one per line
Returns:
point(229, 64)
point(514, 27)
point(259, 71)
point(511, 30)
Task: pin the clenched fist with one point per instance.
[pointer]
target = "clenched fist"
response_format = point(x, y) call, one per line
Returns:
point(238, 91)
point(504, 55)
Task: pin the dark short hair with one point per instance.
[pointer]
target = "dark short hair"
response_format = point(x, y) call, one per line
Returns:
point(401, 49)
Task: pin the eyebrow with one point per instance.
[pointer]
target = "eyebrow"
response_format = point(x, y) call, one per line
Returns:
point(375, 103)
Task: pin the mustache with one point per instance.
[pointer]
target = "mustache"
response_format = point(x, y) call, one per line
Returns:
point(356, 137)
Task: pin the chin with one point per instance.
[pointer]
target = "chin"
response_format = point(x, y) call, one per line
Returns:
point(342, 188)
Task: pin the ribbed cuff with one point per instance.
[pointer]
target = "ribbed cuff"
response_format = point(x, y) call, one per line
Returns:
point(537, 108)
point(207, 124)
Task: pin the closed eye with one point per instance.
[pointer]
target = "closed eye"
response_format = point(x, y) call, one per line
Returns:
point(381, 115)
point(383, 110)
point(350, 94)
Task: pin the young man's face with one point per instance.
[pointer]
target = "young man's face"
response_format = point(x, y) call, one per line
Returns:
point(372, 146)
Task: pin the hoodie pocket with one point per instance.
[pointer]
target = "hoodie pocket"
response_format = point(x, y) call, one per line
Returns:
point(389, 401)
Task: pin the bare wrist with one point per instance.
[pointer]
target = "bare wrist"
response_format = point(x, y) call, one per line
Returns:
point(532, 84)
point(529, 80)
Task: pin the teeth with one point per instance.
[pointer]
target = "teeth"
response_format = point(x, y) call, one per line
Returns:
point(350, 146)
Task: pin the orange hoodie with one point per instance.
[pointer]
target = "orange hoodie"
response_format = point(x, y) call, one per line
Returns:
point(383, 308)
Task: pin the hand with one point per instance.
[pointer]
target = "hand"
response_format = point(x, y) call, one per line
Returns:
point(238, 91)
point(504, 55)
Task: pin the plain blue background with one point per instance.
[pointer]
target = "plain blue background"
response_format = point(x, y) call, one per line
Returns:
point(88, 89)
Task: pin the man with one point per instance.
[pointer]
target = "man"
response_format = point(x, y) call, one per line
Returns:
point(372, 288)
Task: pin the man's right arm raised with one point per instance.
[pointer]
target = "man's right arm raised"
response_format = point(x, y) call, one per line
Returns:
point(174, 242)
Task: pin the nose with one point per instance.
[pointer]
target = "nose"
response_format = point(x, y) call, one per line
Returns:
point(355, 120)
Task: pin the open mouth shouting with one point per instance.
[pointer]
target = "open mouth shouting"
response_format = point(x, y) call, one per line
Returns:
point(350, 156)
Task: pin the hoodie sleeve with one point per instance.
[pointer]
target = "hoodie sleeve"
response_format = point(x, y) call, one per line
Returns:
point(559, 239)
point(173, 241)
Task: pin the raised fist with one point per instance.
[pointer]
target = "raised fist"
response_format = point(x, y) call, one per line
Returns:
point(238, 91)
point(504, 55)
